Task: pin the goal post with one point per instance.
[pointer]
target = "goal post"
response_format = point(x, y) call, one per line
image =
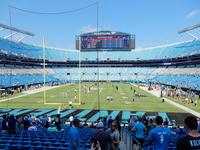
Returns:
point(58, 82)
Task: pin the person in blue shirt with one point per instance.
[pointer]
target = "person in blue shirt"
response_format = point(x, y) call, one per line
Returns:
point(160, 136)
point(140, 130)
point(74, 136)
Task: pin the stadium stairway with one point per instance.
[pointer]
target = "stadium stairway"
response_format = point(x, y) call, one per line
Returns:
point(41, 112)
point(125, 116)
point(140, 113)
point(52, 113)
point(2, 111)
point(82, 114)
point(23, 112)
point(66, 113)
point(101, 113)
point(93, 115)
point(113, 114)
point(14, 111)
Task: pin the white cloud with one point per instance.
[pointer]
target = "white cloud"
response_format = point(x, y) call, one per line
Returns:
point(91, 28)
point(193, 13)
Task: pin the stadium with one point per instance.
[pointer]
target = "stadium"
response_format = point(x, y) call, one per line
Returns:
point(105, 76)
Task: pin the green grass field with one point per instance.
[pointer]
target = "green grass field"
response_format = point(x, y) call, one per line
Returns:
point(122, 98)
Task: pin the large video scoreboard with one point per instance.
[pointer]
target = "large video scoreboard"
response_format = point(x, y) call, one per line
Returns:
point(105, 40)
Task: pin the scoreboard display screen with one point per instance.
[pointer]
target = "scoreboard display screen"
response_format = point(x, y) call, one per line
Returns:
point(105, 41)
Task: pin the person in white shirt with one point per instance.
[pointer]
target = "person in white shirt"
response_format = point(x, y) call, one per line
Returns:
point(32, 127)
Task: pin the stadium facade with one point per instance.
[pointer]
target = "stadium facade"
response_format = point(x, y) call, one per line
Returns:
point(175, 64)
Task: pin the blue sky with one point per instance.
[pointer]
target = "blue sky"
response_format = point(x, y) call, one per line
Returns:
point(154, 22)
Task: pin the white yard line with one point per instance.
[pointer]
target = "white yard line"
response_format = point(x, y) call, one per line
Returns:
point(30, 92)
point(186, 109)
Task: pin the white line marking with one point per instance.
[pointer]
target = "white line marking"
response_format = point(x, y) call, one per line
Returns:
point(157, 94)
point(30, 93)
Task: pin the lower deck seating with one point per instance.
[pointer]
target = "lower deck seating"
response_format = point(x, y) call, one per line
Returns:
point(43, 140)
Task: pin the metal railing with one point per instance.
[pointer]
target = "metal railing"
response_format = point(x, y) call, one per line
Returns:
point(130, 141)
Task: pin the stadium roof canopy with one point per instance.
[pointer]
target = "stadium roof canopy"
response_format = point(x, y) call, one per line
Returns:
point(3, 26)
point(188, 29)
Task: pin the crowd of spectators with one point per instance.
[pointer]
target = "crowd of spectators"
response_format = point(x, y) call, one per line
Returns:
point(158, 134)
point(106, 132)
point(187, 96)
point(10, 124)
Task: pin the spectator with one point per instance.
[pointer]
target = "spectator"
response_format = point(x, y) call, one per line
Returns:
point(160, 136)
point(132, 122)
point(4, 124)
point(115, 136)
point(92, 125)
point(166, 122)
point(85, 124)
point(57, 122)
point(52, 128)
point(110, 121)
point(74, 136)
point(105, 123)
point(151, 124)
point(46, 121)
point(139, 129)
point(71, 118)
point(199, 125)
point(19, 123)
point(192, 140)
point(26, 123)
point(95, 145)
point(145, 121)
point(102, 137)
point(30, 118)
point(32, 127)
point(37, 121)
point(12, 125)
point(118, 124)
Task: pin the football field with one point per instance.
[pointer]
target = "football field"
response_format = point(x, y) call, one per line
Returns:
point(125, 96)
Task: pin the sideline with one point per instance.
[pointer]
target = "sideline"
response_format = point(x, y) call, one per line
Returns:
point(186, 109)
point(30, 92)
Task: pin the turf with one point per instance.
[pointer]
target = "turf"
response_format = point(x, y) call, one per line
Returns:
point(122, 98)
